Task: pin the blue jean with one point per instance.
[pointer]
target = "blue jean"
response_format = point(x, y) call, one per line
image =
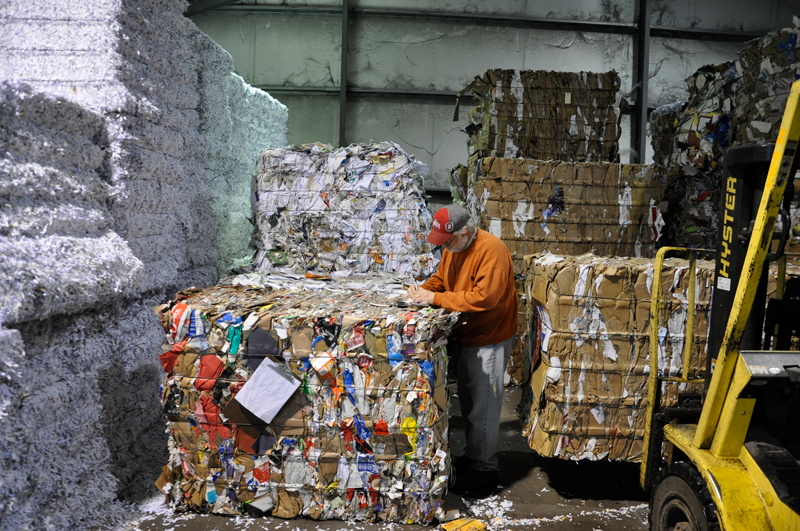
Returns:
point(481, 373)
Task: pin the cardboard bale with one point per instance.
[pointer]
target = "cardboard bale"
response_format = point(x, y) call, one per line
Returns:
point(591, 319)
point(364, 437)
point(568, 208)
point(546, 115)
point(563, 207)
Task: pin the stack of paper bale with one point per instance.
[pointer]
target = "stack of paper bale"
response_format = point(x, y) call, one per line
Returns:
point(591, 316)
point(236, 122)
point(341, 211)
point(60, 256)
point(107, 206)
point(768, 66)
point(736, 102)
point(545, 115)
point(306, 398)
point(700, 135)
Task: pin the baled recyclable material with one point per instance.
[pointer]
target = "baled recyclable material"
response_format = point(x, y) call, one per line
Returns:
point(354, 424)
point(563, 207)
point(736, 102)
point(662, 126)
point(341, 211)
point(109, 199)
point(768, 66)
point(590, 328)
point(568, 208)
point(693, 161)
point(572, 116)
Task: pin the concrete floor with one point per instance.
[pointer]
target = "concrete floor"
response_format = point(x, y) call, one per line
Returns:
point(536, 493)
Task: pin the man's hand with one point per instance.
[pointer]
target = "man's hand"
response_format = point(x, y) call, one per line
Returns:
point(419, 295)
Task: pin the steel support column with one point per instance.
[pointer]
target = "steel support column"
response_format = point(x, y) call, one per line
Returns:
point(343, 81)
point(639, 136)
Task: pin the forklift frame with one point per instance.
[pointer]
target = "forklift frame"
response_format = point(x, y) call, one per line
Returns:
point(743, 495)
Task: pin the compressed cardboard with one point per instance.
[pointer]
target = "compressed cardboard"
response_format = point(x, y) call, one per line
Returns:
point(571, 116)
point(563, 207)
point(590, 316)
point(566, 208)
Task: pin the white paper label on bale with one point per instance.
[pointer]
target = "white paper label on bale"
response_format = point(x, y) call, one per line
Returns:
point(521, 216)
point(598, 414)
point(496, 227)
point(267, 390)
point(724, 284)
point(547, 328)
point(554, 372)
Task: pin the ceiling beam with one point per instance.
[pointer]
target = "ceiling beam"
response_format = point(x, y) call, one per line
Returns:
point(699, 34)
point(222, 6)
point(201, 6)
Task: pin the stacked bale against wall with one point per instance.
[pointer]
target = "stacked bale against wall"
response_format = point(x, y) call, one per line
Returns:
point(693, 161)
point(736, 102)
point(109, 217)
point(236, 121)
point(591, 320)
point(768, 67)
point(523, 123)
point(61, 256)
point(545, 115)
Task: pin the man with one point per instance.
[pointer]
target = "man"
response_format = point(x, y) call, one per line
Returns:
point(475, 277)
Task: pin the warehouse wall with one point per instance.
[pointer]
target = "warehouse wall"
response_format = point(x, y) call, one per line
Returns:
point(127, 145)
point(440, 56)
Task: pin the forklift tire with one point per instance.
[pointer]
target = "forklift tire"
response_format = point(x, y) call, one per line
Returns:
point(681, 501)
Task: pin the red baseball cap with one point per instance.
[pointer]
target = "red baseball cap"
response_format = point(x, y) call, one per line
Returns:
point(446, 222)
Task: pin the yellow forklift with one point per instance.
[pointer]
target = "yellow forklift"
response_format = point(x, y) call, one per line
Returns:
point(735, 450)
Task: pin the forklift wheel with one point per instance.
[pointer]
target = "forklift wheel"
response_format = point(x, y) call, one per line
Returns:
point(681, 501)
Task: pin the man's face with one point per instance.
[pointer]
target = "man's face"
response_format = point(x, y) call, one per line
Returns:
point(458, 241)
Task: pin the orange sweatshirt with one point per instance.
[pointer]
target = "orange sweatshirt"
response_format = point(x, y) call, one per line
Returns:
point(479, 282)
